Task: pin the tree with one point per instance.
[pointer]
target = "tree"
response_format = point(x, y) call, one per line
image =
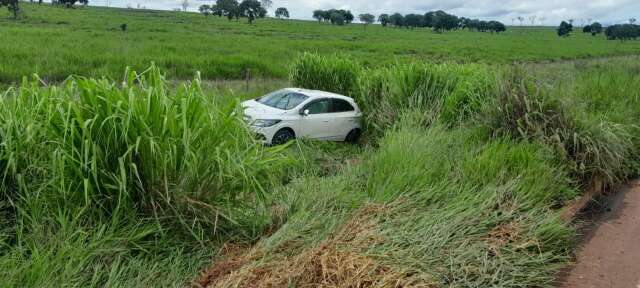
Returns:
point(185, 5)
point(565, 29)
point(266, 4)
point(622, 32)
point(520, 19)
point(252, 9)
point(445, 22)
point(205, 9)
point(337, 18)
point(495, 26)
point(367, 19)
point(596, 28)
point(12, 5)
point(632, 21)
point(228, 8)
point(413, 20)
point(318, 15)
point(383, 19)
point(282, 13)
point(396, 20)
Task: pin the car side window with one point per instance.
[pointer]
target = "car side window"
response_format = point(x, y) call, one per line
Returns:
point(319, 107)
point(339, 105)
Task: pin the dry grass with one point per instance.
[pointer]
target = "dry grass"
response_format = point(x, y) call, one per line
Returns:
point(339, 261)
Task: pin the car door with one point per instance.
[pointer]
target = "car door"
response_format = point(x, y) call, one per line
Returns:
point(316, 124)
point(343, 119)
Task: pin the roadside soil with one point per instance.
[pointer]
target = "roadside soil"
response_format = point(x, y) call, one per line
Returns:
point(610, 254)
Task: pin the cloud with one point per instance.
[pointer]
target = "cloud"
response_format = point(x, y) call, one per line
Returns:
point(552, 11)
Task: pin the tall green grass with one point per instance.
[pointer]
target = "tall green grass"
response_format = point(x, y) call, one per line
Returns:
point(580, 128)
point(96, 174)
point(454, 91)
point(474, 204)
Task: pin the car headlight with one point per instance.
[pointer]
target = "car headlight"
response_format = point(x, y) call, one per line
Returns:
point(265, 123)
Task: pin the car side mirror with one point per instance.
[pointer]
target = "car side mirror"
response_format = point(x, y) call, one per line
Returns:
point(304, 112)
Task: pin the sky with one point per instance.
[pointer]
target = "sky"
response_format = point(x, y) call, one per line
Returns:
point(545, 12)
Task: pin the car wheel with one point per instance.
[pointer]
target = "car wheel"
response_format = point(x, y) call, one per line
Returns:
point(283, 136)
point(353, 136)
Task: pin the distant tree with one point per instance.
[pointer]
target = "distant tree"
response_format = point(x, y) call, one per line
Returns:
point(228, 8)
point(413, 20)
point(383, 19)
point(282, 13)
point(586, 29)
point(495, 26)
point(123, 27)
point(429, 19)
point(348, 17)
point(337, 19)
point(396, 20)
point(532, 19)
point(623, 32)
point(205, 9)
point(252, 9)
point(521, 20)
point(12, 5)
point(632, 21)
point(445, 22)
point(185, 5)
point(565, 29)
point(266, 4)
point(596, 28)
point(367, 19)
point(318, 15)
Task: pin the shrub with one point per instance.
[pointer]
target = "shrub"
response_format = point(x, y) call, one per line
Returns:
point(141, 152)
point(452, 91)
point(334, 74)
point(597, 152)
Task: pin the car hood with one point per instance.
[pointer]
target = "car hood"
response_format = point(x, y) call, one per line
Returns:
point(254, 110)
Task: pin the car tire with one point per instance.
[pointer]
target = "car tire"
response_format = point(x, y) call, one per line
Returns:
point(353, 136)
point(282, 137)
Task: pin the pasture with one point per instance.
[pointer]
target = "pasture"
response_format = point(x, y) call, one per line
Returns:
point(117, 178)
point(55, 42)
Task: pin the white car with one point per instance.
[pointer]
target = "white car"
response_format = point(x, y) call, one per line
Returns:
point(292, 113)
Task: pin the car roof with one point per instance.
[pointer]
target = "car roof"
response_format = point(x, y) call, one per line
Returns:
point(319, 94)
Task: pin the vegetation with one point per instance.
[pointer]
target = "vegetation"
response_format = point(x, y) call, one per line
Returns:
point(12, 5)
point(594, 29)
point(142, 180)
point(99, 174)
point(55, 43)
point(470, 201)
point(623, 32)
point(565, 29)
point(282, 13)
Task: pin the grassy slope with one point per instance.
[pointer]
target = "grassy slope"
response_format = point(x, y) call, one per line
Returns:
point(56, 42)
point(453, 207)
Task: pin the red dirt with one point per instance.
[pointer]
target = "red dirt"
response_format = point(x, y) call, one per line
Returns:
point(610, 256)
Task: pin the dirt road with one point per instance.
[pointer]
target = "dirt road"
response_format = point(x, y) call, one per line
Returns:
point(610, 256)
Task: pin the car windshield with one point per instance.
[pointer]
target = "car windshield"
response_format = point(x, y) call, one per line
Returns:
point(282, 99)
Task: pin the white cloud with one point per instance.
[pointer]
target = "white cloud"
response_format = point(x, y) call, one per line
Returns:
point(554, 11)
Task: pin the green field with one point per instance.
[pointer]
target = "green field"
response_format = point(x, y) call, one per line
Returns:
point(56, 42)
point(151, 178)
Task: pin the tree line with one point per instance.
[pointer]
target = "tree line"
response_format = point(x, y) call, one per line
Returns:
point(622, 32)
point(334, 16)
point(437, 20)
point(232, 9)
